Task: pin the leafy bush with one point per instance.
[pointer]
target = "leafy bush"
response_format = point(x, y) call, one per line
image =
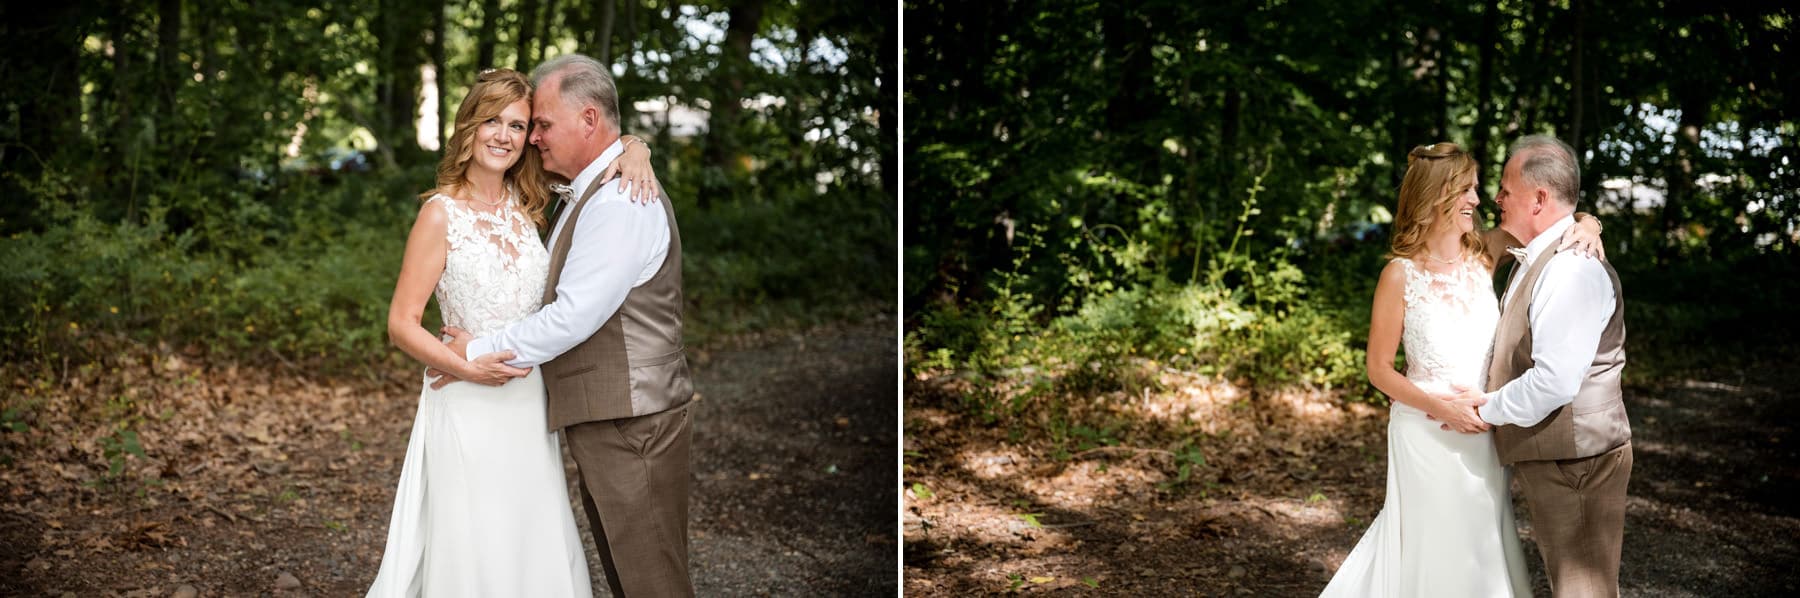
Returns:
point(306, 274)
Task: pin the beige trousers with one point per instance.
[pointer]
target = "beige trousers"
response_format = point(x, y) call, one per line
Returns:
point(1578, 516)
point(634, 487)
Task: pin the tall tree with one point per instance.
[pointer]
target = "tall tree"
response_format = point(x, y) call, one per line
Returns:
point(439, 66)
point(168, 61)
point(528, 15)
point(546, 30)
point(485, 38)
point(600, 38)
point(721, 144)
point(400, 32)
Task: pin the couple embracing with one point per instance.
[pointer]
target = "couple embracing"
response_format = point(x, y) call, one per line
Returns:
point(582, 335)
point(1530, 380)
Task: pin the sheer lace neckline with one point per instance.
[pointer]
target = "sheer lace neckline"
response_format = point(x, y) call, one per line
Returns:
point(494, 268)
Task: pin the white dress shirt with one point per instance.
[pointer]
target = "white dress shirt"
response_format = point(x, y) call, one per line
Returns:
point(1570, 307)
point(617, 246)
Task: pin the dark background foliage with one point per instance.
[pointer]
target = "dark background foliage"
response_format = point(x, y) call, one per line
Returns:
point(240, 177)
point(1209, 185)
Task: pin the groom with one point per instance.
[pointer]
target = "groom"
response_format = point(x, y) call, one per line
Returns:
point(609, 338)
point(1553, 392)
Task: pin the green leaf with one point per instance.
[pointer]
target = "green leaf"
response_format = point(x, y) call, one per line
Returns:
point(1090, 582)
point(921, 492)
point(130, 444)
point(1031, 519)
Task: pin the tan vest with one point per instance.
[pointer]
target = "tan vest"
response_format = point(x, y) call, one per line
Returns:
point(635, 364)
point(1595, 422)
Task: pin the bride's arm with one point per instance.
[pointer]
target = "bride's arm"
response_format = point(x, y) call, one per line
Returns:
point(420, 270)
point(634, 167)
point(1584, 236)
point(1385, 323)
point(1497, 241)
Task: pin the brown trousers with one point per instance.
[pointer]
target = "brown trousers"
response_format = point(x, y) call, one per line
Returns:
point(634, 487)
point(1578, 516)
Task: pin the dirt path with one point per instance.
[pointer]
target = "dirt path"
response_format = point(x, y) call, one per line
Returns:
point(257, 483)
point(1290, 482)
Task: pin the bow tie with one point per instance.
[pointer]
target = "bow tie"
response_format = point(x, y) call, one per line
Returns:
point(1518, 253)
point(564, 191)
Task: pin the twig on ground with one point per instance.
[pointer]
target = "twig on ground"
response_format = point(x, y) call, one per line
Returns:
point(1121, 449)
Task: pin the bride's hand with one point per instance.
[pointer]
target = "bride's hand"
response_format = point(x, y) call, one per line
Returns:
point(440, 378)
point(1584, 236)
point(634, 167)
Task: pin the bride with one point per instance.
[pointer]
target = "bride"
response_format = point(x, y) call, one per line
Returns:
point(1446, 527)
point(482, 508)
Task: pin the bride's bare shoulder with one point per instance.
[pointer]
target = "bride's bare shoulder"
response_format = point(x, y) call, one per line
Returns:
point(1394, 273)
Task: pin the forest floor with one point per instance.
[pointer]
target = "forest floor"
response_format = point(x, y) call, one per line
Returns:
point(1289, 482)
point(234, 481)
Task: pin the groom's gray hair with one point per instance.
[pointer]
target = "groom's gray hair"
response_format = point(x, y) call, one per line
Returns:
point(582, 80)
point(1550, 163)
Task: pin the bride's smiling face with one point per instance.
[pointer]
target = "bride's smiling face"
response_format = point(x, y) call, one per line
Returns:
point(499, 140)
point(1461, 212)
point(1465, 203)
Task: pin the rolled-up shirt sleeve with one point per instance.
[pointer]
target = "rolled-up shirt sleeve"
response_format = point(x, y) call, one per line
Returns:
point(614, 240)
point(1569, 310)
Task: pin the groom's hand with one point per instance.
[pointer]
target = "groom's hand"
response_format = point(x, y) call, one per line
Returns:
point(1462, 411)
point(491, 369)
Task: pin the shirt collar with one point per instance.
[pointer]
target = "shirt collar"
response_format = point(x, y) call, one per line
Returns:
point(580, 184)
point(1549, 238)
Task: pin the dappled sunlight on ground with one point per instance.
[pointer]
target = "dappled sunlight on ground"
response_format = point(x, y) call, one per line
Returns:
point(1195, 485)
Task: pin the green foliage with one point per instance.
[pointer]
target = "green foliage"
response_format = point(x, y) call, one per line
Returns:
point(1250, 317)
point(789, 260)
point(312, 280)
point(1097, 190)
point(317, 289)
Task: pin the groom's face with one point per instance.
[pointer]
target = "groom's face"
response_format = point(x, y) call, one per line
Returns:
point(1512, 197)
point(557, 130)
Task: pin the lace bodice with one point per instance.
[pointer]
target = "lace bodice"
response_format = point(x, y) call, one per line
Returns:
point(494, 270)
point(1449, 325)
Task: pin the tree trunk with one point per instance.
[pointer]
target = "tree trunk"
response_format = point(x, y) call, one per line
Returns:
point(485, 39)
point(121, 80)
point(49, 106)
point(600, 38)
point(1540, 79)
point(888, 112)
point(1694, 115)
point(1484, 93)
point(203, 31)
point(399, 34)
point(522, 61)
point(1127, 45)
point(721, 143)
point(1577, 80)
point(628, 112)
point(546, 30)
point(168, 61)
point(438, 62)
point(1440, 78)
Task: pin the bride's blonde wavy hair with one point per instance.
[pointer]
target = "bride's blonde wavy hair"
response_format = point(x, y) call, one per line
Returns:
point(494, 90)
point(1436, 175)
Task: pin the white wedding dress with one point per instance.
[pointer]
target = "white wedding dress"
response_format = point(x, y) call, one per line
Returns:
point(1446, 528)
point(482, 508)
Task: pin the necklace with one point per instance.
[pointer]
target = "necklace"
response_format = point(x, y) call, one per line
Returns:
point(505, 195)
point(1440, 260)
